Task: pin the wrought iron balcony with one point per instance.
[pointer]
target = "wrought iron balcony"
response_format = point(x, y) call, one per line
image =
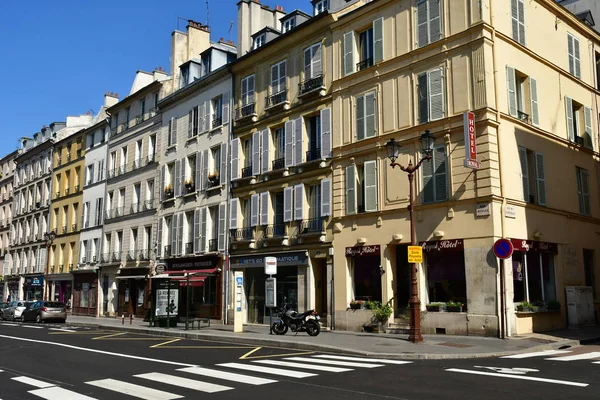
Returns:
point(116, 256)
point(190, 187)
point(76, 188)
point(313, 154)
point(311, 84)
point(275, 231)
point(213, 245)
point(277, 98)
point(364, 64)
point(167, 251)
point(148, 205)
point(247, 172)
point(278, 164)
point(134, 208)
point(73, 227)
point(311, 226)
point(522, 116)
point(138, 163)
point(67, 191)
point(105, 257)
point(143, 255)
point(64, 229)
point(130, 256)
point(213, 182)
point(68, 157)
point(189, 248)
point(216, 120)
point(139, 119)
point(61, 268)
point(70, 267)
point(245, 111)
point(152, 112)
point(243, 234)
point(169, 194)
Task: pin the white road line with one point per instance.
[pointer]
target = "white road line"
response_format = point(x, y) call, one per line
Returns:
point(138, 391)
point(32, 382)
point(184, 382)
point(584, 356)
point(9, 324)
point(32, 326)
point(228, 376)
point(68, 346)
point(368, 360)
point(331, 362)
point(303, 366)
point(538, 354)
point(62, 330)
point(524, 378)
point(57, 393)
point(267, 370)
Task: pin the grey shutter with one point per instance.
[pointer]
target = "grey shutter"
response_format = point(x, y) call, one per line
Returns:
point(177, 184)
point(348, 53)
point(201, 118)
point(576, 56)
point(196, 230)
point(570, 118)
point(174, 230)
point(325, 197)
point(222, 226)
point(256, 153)
point(223, 172)
point(580, 191)
point(378, 40)
point(289, 144)
point(225, 108)
point(174, 132)
point(235, 159)
point(299, 202)
point(233, 213)
point(535, 115)
point(517, 11)
point(162, 183)
point(266, 150)
point(436, 93)
point(423, 98)
point(585, 189)
point(198, 172)
point(587, 116)
point(428, 194)
point(521, 22)
point(190, 123)
point(511, 85)
point(203, 220)
point(540, 178)
point(254, 211)
point(440, 174)
point(360, 118)
point(370, 188)
point(180, 245)
point(265, 202)
point(298, 141)
point(570, 47)
point(204, 177)
point(85, 176)
point(326, 133)
point(370, 115)
point(351, 189)
point(422, 24)
point(524, 172)
point(159, 238)
point(435, 20)
point(288, 194)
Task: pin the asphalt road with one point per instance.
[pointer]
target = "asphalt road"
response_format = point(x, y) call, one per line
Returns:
point(59, 362)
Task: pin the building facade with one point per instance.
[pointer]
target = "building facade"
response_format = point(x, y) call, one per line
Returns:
point(7, 169)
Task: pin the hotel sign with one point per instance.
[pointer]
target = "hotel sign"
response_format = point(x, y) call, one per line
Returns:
point(363, 251)
point(443, 245)
point(470, 141)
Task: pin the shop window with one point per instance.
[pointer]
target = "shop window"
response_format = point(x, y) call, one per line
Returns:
point(366, 278)
point(446, 280)
point(533, 277)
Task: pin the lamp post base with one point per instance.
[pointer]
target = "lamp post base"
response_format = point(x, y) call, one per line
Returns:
point(415, 322)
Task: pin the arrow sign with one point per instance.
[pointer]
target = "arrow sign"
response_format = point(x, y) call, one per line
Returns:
point(503, 249)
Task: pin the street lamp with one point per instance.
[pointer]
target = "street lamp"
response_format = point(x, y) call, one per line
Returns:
point(49, 237)
point(393, 150)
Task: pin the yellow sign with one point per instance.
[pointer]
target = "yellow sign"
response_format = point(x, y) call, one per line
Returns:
point(415, 254)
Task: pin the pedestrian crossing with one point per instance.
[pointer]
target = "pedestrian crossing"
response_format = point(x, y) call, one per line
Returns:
point(560, 355)
point(50, 327)
point(222, 377)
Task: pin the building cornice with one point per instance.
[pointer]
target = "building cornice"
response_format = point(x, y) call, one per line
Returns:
point(194, 87)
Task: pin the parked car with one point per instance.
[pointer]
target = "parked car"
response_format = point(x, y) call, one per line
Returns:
point(41, 311)
point(14, 309)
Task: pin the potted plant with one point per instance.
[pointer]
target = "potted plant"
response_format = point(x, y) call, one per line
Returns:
point(525, 306)
point(454, 306)
point(189, 184)
point(381, 314)
point(356, 304)
point(213, 177)
point(553, 305)
point(168, 191)
point(434, 307)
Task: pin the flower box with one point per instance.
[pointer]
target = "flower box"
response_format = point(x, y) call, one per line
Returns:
point(454, 308)
point(355, 306)
point(434, 308)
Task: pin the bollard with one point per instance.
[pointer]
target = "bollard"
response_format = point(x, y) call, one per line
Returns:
point(123, 319)
point(131, 319)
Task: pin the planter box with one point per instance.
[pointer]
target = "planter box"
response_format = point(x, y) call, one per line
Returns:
point(454, 309)
point(434, 308)
point(355, 306)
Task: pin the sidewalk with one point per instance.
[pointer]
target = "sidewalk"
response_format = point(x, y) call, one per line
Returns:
point(362, 344)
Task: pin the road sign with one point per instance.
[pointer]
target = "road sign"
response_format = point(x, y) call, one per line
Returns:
point(503, 249)
point(271, 290)
point(270, 266)
point(160, 269)
point(415, 254)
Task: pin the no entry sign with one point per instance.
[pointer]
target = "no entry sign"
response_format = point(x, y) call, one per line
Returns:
point(503, 248)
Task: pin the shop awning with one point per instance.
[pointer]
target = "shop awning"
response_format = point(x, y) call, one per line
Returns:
point(131, 277)
point(198, 272)
point(194, 281)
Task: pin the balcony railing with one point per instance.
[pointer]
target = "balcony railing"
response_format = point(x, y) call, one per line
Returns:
point(247, 172)
point(73, 227)
point(143, 255)
point(134, 208)
point(116, 256)
point(148, 205)
point(167, 252)
point(190, 188)
point(169, 194)
point(243, 234)
point(213, 182)
point(67, 190)
point(245, 111)
point(364, 64)
point(309, 226)
point(70, 267)
point(277, 98)
point(131, 255)
point(213, 245)
point(311, 84)
point(279, 164)
point(216, 120)
point(105, 257)
point(64, 229)
point(138, 163)
point(522, 116)
point(313, 154)
point(189, 248)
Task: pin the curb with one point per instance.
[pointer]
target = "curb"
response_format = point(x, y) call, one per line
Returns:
point(266, 342)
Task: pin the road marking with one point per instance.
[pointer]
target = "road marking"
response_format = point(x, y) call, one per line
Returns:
point(331, 362)
point(281, 355)
point(110, 335)
point(525, 378)
point(305, 366)
point(32, 326)
point(267, 370)
point(511, 371)
point(584, 356)
point(162, 344)
point(250, 353)
point(184, 382)
point(538, 354)
point(228, 376)
point(68, 346)
point(138, 391)
point(9, 324)
point(58, 393)
point(373, 360)
point(61, 330)
point(32, 382)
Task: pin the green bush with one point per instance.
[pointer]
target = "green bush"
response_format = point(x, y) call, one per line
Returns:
point(381, 313)
point(553, 305)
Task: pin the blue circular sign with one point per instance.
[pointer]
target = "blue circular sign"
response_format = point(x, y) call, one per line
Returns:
point(503, 248)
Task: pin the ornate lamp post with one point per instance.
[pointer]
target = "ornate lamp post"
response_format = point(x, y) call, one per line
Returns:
point(49, 237)
point(393, 149)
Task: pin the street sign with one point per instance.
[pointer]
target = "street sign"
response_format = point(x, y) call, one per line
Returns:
point(415, 254)
point(270, 290)
point(270, 266)
point(503, 249)
point(160, 269)
point(239, 283)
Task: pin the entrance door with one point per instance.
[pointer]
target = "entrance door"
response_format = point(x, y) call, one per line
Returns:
point(588, 266)
point(402, 279)
point(320, 272)
point(105, 293)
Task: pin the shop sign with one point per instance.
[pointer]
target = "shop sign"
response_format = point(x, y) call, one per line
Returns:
point(212, 262)
point(363, 251)
point(36, 281)
point(443, 245)
point(283, 260)
point(526, 245)
point(470, 141)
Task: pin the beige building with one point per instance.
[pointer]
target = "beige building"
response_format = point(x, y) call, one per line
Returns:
point(7, 170)
point(400, 68)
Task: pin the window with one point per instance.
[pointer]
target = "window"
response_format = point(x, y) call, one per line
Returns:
point(259, 40)
point(429, 22)
point(446, 277)
point(184, 75)
point(142, 107)
point(583, 191)
point(217, 111)
point(247, 148)
point(279, 147)
point(365, 48)
point(313, 126)
point(172, 132)
point(435, 172)
point(278, 78)
point(320, 7)
point(312, 62)
point(533, 276)
point(127, 116)
point(366, 111)
point(361, 188)
point(370, 47)
point(215, 166)
point(314, 202)
point(579, 133)
point(89, 174)
point(156, 100)
point(574, 56)
point(248, 90)
point(533, 178)
point(431, 95)
point(289, 24)
point(517, 12)
point(205, 63)
point(522, 96)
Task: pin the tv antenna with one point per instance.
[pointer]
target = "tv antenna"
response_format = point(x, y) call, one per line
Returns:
point(230, 28)
point(207, 14)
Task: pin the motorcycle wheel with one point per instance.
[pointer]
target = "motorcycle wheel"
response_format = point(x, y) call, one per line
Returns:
point(313, 328)
point(280, 328)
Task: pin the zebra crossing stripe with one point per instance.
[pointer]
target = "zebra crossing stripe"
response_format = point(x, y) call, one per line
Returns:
point(32, 382)
point(58, 393)
point(303, 366)
point(368, 360)
point(331, 362)
point(228, 376)
point(538, 354)
point(138, 391)
point(184, 382)
point(267, 370)
point(584, 356)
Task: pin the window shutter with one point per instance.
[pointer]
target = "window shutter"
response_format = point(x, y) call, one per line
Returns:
point(521, 8)
point(422, 24)
point(85, 176)
point(265, 202)
point(174, 132)
point(307, 64)
point(326, 133)
point(162, 183)
point(436, 93)
point(234, 205)
point(441, 172)
point(223, 172)
point(370, 114)
point(202, 117)
point(274, 79)
point(266, 149)
point(349, 53)
point(198, 171)
point(517, 11)
point(225, 108)
point(570, 46)
point(299, 202)
point(206, 110)
point(88, 251)
point(174, 230)
point(435, 20)
point(580, 191)
point(177, 185)
point(428, 195)
point(588, 140)
point(576, 57)
point(287, 204)
point(251, 89)
point(256, 153)
point(196, 230)
point(535, 116)
point(585, 189)
point(190, 123)
point(370, 185)
point(325, 197)
point(254, 211)
point(299, 141)
point(222, 226)
point(378, 40)
point(511, 85)
point(570, 119)
point(524, 172)
point(351, 189)
point(540, 179)
point(235, 160)
point(203, 221)
point(423, 98)
point(360, 118)
point(289, 144)
point(204, 177)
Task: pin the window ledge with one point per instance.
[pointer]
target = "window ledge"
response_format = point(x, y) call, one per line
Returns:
point(190, 194)
point(190, 139)
point(171, 147)
point(214, 188)
point(216, 128)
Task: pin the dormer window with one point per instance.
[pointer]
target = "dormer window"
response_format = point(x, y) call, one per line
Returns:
point(184, 75)
point(289, 24)
point(259, 41)
point(320, 6)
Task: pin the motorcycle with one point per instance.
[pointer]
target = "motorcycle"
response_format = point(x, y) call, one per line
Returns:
point(289, 318)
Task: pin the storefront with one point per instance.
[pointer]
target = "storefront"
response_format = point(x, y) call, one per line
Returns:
point(60, 287)
point(85, 290)
point(444, 266)
point(134, 290)
point(365, 271)
point(109, 294)
point(534, 279)
point(12, 287)
point(33, 288)
point(291, 282)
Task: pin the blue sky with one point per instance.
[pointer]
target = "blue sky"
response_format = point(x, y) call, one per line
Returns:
point(60, 57)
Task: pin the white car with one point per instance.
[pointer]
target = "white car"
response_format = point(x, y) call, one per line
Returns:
point(14, 310)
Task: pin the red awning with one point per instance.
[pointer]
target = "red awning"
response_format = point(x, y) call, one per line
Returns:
point(184, 279)
point(211, 271)
point(192, 283)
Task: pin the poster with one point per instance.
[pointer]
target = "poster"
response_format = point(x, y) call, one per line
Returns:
point(163, 300)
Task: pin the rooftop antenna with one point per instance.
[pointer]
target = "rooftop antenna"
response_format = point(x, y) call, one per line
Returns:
point(230, 28)
point(207, 14)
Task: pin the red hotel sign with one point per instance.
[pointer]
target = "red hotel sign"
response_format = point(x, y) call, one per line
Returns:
point(363, 251)
point(470, 141)
point(443, 245)
point(526, 245)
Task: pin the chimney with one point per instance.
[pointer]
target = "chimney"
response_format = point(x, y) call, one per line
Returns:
point(252, 17)
point(110, 99)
